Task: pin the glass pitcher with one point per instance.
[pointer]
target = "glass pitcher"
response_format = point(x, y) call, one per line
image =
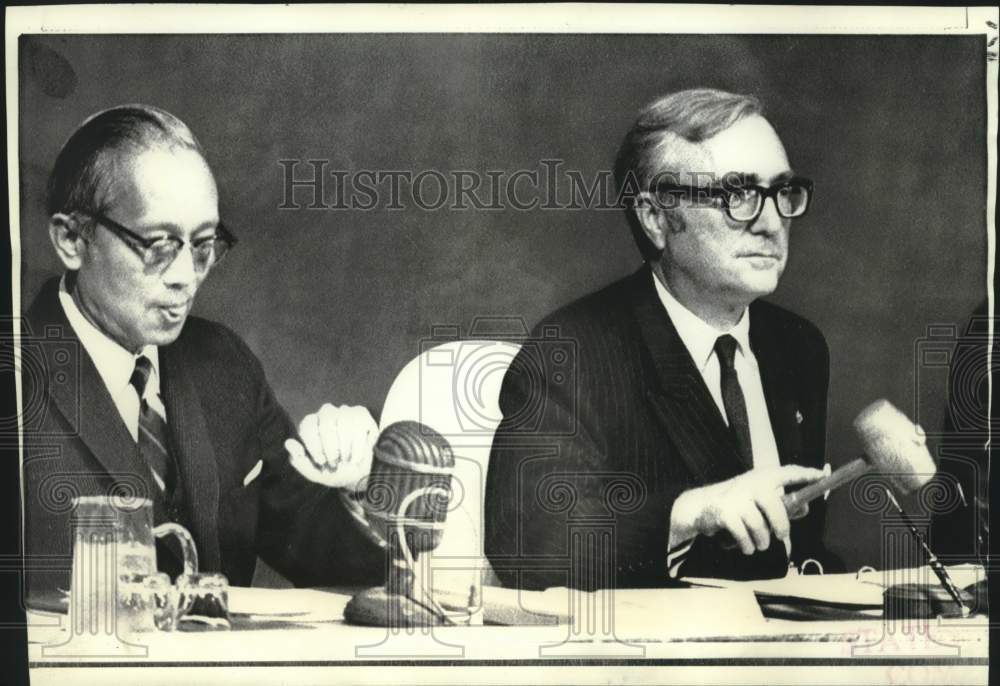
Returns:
point(114, 553)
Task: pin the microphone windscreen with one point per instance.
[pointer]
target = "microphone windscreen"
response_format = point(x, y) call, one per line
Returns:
point(894, 446)
point(412, 462)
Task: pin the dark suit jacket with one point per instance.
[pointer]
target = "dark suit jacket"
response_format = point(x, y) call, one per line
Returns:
point(960, 525)
point(607, 420)
point(223, 419)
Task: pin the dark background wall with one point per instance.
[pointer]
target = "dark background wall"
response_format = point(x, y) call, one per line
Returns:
point(335, 302)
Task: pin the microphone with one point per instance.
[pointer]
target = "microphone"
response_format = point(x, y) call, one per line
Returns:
point(893, 447)
point(406, 502)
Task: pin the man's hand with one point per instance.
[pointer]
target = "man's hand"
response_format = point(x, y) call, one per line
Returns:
point(336, 446)
point(748, 507)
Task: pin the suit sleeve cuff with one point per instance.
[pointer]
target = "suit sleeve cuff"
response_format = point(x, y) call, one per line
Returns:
point(680, 538)
point(676, 557)
point(352, 503)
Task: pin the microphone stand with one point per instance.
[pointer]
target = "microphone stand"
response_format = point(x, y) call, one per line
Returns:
point(408, 578)
point(932, 560)
point(397, 603)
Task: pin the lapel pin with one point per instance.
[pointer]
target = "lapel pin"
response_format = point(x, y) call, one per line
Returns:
point(798, 417)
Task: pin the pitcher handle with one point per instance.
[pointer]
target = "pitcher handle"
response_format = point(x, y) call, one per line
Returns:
point(188, 549)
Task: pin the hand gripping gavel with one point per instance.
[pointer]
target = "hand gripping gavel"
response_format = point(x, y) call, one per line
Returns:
point(893, 447)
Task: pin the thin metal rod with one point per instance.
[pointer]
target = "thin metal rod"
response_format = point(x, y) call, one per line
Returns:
point(932, 560)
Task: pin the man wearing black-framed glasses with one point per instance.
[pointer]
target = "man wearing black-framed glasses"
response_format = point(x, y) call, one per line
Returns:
point(702, 400)
point(139, 397)
point(159, 252)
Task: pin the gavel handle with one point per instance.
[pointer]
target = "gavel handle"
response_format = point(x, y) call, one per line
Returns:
point(841, 476)
point(793, 501)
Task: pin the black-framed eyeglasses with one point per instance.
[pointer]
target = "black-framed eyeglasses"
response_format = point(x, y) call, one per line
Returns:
point(161, 251)
point(744, 202)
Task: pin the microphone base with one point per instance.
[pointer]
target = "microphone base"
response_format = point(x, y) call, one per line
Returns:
point(378, 607)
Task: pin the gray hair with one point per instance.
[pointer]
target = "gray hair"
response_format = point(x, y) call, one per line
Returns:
point(660, 132)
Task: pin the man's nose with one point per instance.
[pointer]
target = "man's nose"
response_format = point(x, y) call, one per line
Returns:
point(768, 221)
point(182, 271)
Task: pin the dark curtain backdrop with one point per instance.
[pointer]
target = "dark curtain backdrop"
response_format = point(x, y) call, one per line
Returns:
point(335, 302)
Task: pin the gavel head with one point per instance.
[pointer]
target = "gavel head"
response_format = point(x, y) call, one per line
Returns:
point(409, 486)
point(894, 446)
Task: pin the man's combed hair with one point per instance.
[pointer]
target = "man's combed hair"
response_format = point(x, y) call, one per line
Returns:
point(85, 168)
point(692, 115)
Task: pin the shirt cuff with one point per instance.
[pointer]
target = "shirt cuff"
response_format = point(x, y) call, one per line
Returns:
point(677, 554)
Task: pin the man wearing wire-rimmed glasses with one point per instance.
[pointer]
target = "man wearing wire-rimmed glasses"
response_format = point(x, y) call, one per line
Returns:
point(142, 398)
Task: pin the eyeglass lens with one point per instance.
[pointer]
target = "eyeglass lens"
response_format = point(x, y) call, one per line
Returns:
point(791, 201)
point(206, 253)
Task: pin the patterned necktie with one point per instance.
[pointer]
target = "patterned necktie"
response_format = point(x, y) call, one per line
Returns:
point(153, 435)
point(732, 397)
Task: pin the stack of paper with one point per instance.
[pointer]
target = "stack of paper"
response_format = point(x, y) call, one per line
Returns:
point(844, 589)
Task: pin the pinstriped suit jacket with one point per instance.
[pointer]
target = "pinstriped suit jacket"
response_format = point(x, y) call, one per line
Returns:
point(607, 421)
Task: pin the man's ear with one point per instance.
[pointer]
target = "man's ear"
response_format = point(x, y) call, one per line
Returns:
point(64, 232)
point(654, 220)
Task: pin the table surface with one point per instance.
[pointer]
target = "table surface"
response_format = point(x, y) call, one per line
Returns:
point(676, 629)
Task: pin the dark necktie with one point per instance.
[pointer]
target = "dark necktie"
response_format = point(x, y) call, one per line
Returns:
point(732, 397)
point(153, 435)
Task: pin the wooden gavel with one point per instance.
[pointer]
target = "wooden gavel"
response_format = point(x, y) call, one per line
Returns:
point(894, 447)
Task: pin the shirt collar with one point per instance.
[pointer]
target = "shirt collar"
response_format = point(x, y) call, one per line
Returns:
point(114, 363)
point(698, 335)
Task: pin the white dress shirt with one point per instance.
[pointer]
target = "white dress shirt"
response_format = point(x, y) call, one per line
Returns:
point(115, 365)
point(699, 338)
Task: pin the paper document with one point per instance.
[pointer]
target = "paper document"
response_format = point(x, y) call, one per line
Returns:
point(300, 604)
point(850, 589)
point(635, 612)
